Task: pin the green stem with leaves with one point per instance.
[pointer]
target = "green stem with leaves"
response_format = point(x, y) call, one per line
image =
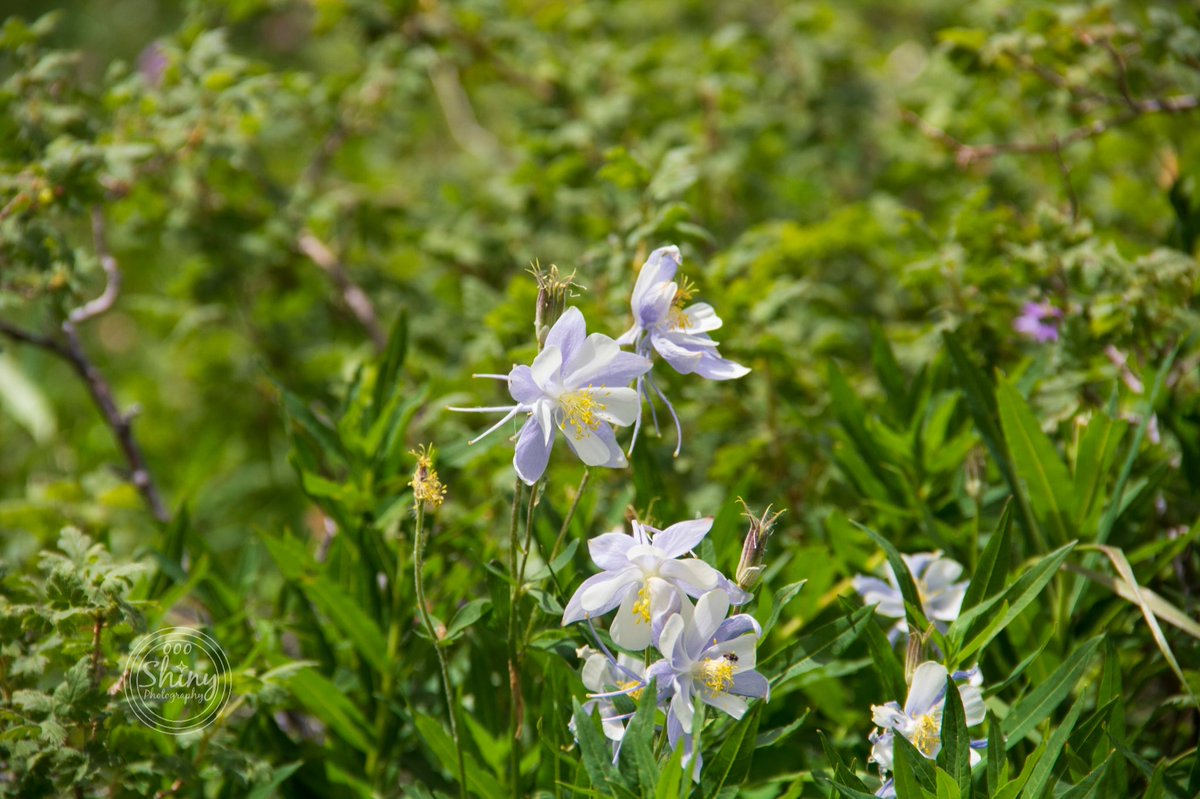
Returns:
point(438, 648)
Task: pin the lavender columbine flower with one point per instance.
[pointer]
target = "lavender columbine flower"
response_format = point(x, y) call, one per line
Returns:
point(578, 384)
point(606, 678)
point(920, 720)
point(680, 335)
point(1038, 321)
point(644, 576)
point(709, 656)
point(934, 576)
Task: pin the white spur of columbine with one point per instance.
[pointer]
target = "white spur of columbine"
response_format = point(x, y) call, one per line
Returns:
point(709, 656)
point(647, 578)
point(577, 385)
point(934, 575)
point(662, 324)
point(920, 720)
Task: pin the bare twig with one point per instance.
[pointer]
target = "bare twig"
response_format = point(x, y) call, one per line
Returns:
point(70, 349)
point(356, 299)
point(967, 154)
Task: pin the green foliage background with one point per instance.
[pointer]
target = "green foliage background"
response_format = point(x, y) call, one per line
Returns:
point(867, 192)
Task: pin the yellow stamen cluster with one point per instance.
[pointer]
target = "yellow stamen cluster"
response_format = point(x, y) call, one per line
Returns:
point(927, 735)
point(685, 291)
point(717, 675)
point(580, 409)
point(635, 695)
point(428, 490)
point(641, 608)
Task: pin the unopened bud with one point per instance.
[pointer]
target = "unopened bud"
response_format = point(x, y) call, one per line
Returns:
point(754, 549)
point(554, 289)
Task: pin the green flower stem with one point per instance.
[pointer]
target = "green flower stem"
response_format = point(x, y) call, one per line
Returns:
point(427, 620)
point(514, 681)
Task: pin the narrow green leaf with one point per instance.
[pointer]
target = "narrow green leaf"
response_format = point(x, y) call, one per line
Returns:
point(995, 754)
point(467, 615)
point(913, 772)
point(1089, 786)
point(637, 747)
point(1018, 597)
point(1036, 706)
point(392, 361)
point(328, 703)
point(992, 569)
point(732, 762)
point(1037, 464)
point(479, 780)
point(1039, 779)
point(894, 384)
point(1097, 451)
point(596, 751)
point(955, 754)
point(947, 788)
point(818, 648)
point(908, 588)
point(782, 597)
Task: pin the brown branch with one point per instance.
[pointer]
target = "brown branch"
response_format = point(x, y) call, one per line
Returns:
point(70, 349)
point(356, 299)
point(967, 154)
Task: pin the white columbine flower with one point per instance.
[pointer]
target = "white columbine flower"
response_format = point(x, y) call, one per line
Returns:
point(709, 656)
point(934, 576)
point(577, 385)
point(920, 720)
point(679, 334)
point(605, 679)
point(646, 575)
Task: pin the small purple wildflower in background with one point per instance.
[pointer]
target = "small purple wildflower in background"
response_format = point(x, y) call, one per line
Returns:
point(152, 63)
point(1038, 321)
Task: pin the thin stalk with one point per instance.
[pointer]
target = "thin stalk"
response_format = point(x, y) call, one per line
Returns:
point(514, 680)
point(418, 582)
point(566, 525)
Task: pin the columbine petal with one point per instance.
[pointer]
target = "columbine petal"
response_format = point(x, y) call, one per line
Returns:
point(887, 599)
point(597, 447)
point(631, 629)
point(750, 683)
point(693, 576)
point(600, 362)
point(609, 550)
point(887, 716)
point(567, 334)
point(714, 367)
point(941, 573)
point(546, 367)
point(743, 648)
point(522, 386)
point(681, 705)
point(701, 318)
point(599, 594)
point(733, 705)
point(927, 689)
point(683, 537)
point(737, 626)
point(973, 707)
point(532, 452)
point(682, 359)
point(670, 642)
point(882, 751)
point(659, 268)
point(616, 405)
point(709, 613)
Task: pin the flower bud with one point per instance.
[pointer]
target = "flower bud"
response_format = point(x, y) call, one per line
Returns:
point(754, 549)
point(554, 290)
